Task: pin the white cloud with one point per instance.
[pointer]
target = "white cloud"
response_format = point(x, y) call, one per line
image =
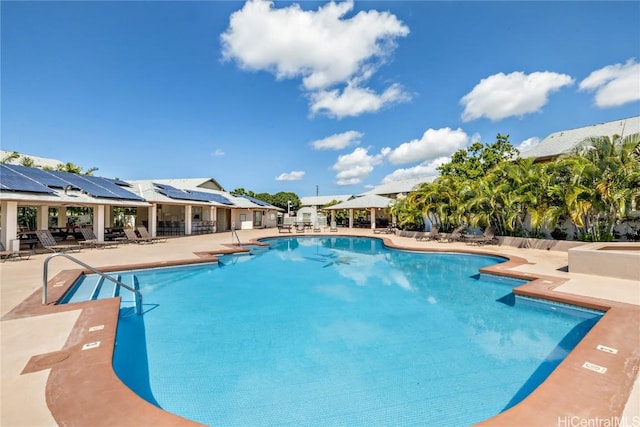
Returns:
point(614, 85)
point(338, 141)
point(291, 176)
point(354, 167)
point(218, 152)
point(433, 144)
point(528, 144)
point(354, 100)
point(516, 94)
point(426, 169)
point(321, 47)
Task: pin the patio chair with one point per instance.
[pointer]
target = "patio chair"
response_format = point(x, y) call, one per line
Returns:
point(132, 237)
point(49, 243)
point(6, 254)
point(91, 240)
point(144, 233)
point(488, 237)
point(431, 235)
point(454, 236)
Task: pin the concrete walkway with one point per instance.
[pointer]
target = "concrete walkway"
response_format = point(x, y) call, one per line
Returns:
point(22, 397)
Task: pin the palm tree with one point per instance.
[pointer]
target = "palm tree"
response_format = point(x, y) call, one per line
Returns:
point(8, 158)
point(72, 168)
point(601, 179)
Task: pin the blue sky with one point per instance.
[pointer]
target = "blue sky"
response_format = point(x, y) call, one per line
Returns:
point(299, 97)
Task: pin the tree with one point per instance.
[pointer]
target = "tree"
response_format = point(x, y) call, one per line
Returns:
point(476, 160)
point(27, 162)
point(598, 182)
point(72, 168)
point(282, 198)
point(408, 215)
point(10, 157)
point(339, 215)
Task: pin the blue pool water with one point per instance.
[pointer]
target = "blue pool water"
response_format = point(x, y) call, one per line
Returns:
point(338, 331)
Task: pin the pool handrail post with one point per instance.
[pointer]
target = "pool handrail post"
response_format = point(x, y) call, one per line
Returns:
point(233, 233)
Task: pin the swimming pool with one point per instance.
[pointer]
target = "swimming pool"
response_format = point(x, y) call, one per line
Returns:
point(340, 331)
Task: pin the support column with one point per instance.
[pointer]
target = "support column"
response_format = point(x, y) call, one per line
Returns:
point(42, 218)
point(62, 216)
point(108, 216)
point(373, 218)
point(152, 219)
point(9, 224)
point(98, 221)
point(350, 218)
point(213, 215)
point(187, 220)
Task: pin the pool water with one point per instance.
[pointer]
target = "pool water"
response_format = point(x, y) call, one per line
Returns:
point(340, 331)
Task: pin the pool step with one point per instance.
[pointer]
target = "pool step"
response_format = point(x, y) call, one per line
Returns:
point(95, 287)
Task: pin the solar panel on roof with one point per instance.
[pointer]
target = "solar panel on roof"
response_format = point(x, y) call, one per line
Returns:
point(254, 200)
point(44, 177)
point(11, 180)
point(178, 194)
point(92, 185)
point(199, 196)
point(118, 190)
point(99, 187)
point(211, 197)
point(118, 182)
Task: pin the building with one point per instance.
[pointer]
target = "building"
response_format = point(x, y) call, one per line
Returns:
point(566, 141)
point(164, 206)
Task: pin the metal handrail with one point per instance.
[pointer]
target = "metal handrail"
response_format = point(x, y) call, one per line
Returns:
point(88, 267)
point(233, 233)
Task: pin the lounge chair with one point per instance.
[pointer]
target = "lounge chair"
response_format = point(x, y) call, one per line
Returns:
point(333, 227)
point(91, 240)
point(132, 237)
point(488, 237)
point(6, 254)
point(144, 233)
point(49, 243)
point(454, 236)
point(431, 235)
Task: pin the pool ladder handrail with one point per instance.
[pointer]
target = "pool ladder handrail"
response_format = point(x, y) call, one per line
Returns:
point(233, 233)
point(45, 280)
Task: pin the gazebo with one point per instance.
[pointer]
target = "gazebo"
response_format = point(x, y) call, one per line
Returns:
point(370, 202)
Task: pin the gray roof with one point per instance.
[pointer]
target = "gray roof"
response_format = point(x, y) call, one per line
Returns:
point(323, 200)
point(193, 183)
point(399, 187)
point(39, 162)
point(147, 190)
point(364, 202)
point(567, 140)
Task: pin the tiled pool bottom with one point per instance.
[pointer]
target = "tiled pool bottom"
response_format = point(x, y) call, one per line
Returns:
point(424, 370)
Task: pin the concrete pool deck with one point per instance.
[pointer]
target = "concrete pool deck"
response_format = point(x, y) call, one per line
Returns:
point(31, 344)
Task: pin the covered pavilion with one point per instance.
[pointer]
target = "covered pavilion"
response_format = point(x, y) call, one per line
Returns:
point(369, 202)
